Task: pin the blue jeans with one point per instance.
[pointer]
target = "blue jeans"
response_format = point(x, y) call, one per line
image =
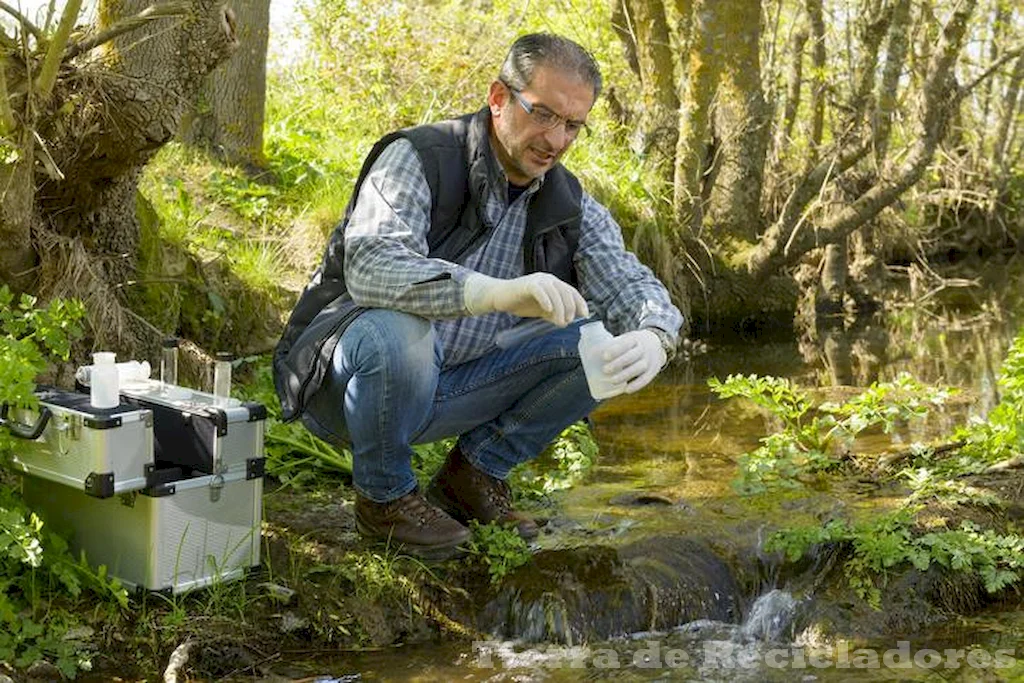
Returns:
point(386, 390)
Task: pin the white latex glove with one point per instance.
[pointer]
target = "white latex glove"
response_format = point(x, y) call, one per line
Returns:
point(634, 358)
point(537, 295)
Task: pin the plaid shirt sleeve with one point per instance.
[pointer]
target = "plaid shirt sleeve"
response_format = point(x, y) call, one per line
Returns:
point(619, 289)
point(386, 264)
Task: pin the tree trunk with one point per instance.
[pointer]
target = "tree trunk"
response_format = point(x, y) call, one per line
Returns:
point(741, 123)
point(227, 116)
point(110, 111)
point(1001, 14)
point(18, 216)
point(896, 54)
point(1001, 150)
point(694, 150)
point(785, 242)
point(817, 23)
point(833, 278)
point(623, 27)
point(659, 116)
point(796, 71)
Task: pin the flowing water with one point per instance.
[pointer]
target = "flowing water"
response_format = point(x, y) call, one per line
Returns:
point(666, 467)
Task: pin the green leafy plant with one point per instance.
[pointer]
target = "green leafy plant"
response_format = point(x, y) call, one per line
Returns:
point(810, 437)
point(562, 465)
point(37, 573)
point(500, 548)
point(925, 485)
point(889, 542)
point(1000, 434)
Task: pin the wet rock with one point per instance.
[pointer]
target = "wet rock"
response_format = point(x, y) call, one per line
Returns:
point(640, 498)
point(562, 524)
point(6, 679)
point(224, 658)
point(582, 594)
point(42, 671)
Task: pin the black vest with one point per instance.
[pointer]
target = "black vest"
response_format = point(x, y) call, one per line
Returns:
point(455, 156)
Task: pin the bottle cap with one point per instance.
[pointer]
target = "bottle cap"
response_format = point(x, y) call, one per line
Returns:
point(103, 357)
point(224, 355)
point(169, 343)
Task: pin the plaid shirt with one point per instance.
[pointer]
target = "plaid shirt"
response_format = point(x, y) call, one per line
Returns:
point(386, 264)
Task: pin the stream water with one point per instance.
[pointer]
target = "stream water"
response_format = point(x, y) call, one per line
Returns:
point(666, 466)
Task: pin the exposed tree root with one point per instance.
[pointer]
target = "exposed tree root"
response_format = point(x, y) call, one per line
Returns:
point(67, 270)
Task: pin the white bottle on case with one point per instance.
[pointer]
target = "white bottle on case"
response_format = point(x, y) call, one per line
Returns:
point(593, 338)
point(103, 381)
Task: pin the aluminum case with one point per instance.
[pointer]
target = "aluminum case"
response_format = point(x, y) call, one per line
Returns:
point(100, 452)
point(171, 538)
point(196, 430)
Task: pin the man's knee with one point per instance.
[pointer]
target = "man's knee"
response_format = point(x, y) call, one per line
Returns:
point(383, 338)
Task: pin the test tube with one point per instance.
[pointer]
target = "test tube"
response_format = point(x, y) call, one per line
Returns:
point(222, 374)
point(169, 360)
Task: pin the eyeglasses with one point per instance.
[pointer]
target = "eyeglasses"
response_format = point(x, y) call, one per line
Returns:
point(547, 119)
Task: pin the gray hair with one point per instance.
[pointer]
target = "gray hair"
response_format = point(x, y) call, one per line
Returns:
point(548, 49)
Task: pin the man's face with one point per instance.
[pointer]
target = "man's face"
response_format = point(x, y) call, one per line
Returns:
point(526, 147)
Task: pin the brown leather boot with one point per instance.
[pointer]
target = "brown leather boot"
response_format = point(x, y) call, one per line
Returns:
point(410, 522)
point(466, 493)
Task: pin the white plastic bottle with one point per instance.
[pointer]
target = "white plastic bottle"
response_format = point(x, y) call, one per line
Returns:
point(593, 338)
point(103, 381)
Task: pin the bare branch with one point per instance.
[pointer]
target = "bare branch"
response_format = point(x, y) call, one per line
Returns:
point(781, 245)
point(23, 20)
point(162, 10)
point(994, 67)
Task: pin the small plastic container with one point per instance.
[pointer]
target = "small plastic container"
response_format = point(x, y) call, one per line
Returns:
point(222, 374)
point(593, 338)
point(103, 381)
point(169, 360)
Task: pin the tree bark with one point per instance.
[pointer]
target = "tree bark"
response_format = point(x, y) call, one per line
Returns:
point(72, 194)
point(1000, 150)
point(18, 216)
point(1001, 14)
point(623, 27)
point(795, 78)
point(741, 123)
point(227, 116)
point(896, 54)
point(694, 149)
point(833, 278)
point(659, 116)
point(816, 20)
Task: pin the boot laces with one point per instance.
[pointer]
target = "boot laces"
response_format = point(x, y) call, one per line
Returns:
point(417, 507)
point(499, 494)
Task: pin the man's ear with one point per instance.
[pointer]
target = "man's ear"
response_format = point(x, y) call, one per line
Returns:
point(497, 96)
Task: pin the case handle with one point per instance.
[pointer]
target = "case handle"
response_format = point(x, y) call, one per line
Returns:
point(22, 431)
